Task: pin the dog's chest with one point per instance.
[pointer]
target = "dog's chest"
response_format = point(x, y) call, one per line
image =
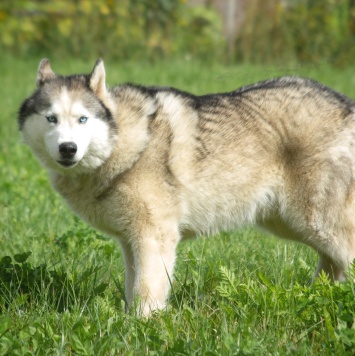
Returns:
point(85, 199)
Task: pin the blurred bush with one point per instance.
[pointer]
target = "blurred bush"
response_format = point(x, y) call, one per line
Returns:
point(302, 30)
point(121, 29)
point(272, 30)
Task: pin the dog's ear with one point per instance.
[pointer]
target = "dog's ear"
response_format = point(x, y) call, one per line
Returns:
point(44, 72)
point(98, 79)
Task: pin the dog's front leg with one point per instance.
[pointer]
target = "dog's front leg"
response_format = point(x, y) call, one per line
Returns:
point(154, 259)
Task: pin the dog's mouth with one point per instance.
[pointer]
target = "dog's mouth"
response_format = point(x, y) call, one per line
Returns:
point(67, 163)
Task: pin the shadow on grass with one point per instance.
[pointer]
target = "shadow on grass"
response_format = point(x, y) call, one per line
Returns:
point(22, 284)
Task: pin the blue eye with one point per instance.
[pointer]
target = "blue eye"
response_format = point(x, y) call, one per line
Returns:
point(83, 119)
point(52, 119)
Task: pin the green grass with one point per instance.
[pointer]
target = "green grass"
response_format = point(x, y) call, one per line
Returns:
point(61, 283)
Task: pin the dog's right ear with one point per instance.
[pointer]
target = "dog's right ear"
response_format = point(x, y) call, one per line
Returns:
point(98, 79)
point(44, 72)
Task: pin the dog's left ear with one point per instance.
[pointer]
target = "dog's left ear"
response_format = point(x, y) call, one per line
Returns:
point(98, 79)
point(44, 72)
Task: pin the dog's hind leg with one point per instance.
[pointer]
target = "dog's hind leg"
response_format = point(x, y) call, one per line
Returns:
point(325, 209)
point(333, 270)
point(336, 238)
point(338, 253)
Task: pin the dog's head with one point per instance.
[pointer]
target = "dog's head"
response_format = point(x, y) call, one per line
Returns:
point(66, 122)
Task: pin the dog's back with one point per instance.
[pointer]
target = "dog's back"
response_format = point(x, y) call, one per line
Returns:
point(282, 147)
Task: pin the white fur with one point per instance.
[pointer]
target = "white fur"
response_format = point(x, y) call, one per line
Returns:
point(91, 138)
point(183, 135)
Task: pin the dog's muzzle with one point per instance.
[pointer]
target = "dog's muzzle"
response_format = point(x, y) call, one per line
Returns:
point(67, 152)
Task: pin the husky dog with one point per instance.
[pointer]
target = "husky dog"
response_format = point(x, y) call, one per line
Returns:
point(153, 165)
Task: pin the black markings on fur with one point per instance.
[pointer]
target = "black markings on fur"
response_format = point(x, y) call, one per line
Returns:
point(201, 148)
point(27, 108)
point(211, 107)
point(41, 99)
point(300, 84)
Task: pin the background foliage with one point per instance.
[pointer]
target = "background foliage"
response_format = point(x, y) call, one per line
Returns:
point(302, 30)
point(123, 29)
point(305, 30)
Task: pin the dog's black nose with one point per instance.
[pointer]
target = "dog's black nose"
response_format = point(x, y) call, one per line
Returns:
point(68, 149)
